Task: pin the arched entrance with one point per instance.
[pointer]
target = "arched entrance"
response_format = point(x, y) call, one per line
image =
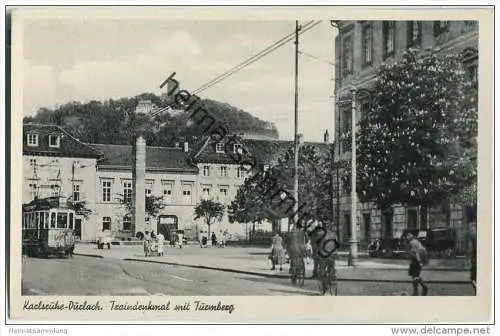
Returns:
point(167, 226)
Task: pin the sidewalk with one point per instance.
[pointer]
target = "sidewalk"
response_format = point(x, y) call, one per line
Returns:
point(253, 261)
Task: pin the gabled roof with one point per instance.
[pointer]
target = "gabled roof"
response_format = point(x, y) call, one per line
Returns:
point(263, 151)
point(69, 146)
point(157, 158)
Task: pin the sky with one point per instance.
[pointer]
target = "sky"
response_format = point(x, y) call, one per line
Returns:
point(86, 59)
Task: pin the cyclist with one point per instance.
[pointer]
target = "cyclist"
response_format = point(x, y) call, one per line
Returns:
point(324, 258)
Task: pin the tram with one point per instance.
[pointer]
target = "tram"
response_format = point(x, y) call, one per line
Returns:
point(48, 228)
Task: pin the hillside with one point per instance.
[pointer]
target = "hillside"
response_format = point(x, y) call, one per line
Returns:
point(109, 121)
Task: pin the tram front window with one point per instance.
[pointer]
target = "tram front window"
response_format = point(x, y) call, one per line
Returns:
point(53, 220)
point(42, 220)
point(62, 220)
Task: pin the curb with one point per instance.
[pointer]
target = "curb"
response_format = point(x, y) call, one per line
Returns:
point(284, 276)
point(89, 255)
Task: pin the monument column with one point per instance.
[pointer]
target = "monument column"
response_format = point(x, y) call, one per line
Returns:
point(138, 191)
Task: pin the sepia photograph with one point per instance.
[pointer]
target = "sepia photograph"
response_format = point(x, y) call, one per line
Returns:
point(227, 157)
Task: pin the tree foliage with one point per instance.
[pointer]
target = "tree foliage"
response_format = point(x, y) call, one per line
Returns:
point(153, 206)
point(210, 210)
point(269, 194)
point(417, 144)
point(113, 121)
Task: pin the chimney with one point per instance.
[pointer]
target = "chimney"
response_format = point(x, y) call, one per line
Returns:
point(186, 146)
point(326, 137)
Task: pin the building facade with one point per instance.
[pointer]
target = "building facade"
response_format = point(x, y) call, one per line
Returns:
point(56, 163)
point(360, 47)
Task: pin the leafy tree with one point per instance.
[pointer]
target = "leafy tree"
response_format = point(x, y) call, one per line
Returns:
point(210, 211)
point(269, 194)
point(105, 121)
point(80, 207)
point(154, 205)
point(417, 144)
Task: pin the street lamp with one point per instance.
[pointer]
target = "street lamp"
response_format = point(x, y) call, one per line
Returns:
point(353, 243)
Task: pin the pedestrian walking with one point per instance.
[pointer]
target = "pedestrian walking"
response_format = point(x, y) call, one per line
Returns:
point(161, 240)
point(180, 238)
point(147, 240)
point(214, 239)
point(277, 252)
point(418, 258)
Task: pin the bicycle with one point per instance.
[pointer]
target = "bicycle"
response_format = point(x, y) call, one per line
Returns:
point(298, 270)
point(327, 276)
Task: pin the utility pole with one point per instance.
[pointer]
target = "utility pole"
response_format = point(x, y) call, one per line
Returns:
point(296, 135)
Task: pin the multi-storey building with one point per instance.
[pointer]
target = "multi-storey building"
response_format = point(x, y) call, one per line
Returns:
point(362, 46)
point(56, 163)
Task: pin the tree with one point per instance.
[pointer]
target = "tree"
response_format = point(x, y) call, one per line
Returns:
point(154, 205)
point(417, 143)
point(210, 211)
point(269, 194)
point(105, 121)
point(80, 207)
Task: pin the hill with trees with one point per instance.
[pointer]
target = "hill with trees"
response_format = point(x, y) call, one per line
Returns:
point(109, 121)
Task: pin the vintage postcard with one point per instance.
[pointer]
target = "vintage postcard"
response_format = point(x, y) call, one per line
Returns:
point(256, 165)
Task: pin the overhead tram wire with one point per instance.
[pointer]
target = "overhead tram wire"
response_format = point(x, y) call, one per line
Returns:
point(290, 37)
point(316, 58)
point(308, 26)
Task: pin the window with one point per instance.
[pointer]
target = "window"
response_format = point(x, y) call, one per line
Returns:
point(33, 190)
point(70, 225)
point(127, 191)
point(62, 220)
point(127, 223)
point(219, 147)
point(106, 191)
point(55, 189)
point(223, 171)
point(347, 55)
point(186, 193)
point(53, 220)
point(440, 27)
point(43, 222)
point(167, 192)
point(148, 191)
point(206, 170)
point(365, 107)
point(206, 192)
point(346, 129)
point(471, 72)
point(76, 192)
point(106, 223)
point(414, 33)
point(223, 191)
point(32, 140)
point(389, 37)
point(33, 162)
point(237, 148)
point(54, 141)
point(346, 186)
point(240, 172)
point(367, 44)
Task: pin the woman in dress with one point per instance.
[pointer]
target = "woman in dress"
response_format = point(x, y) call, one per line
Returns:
point(277, 252)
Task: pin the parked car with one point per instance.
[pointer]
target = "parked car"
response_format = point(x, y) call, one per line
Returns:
point(439, 242)
point(104, 239)
point(385, 247)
